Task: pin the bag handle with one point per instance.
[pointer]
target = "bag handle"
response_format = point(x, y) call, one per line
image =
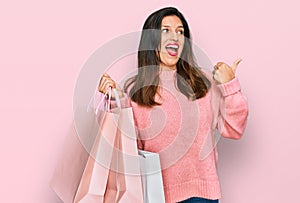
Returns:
point(108, 101)
point(100, 102)
point(117, 98)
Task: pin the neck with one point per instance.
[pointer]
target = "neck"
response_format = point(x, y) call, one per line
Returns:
point(166, 67)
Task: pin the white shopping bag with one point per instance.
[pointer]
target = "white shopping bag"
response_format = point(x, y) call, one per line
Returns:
point(151, 177)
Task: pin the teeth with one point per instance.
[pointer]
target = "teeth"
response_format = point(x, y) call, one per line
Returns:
point(172, 46)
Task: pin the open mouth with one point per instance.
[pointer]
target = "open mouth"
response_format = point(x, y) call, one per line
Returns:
point(172, 49)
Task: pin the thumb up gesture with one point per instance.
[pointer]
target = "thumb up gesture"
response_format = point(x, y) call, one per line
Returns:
point(224, 73)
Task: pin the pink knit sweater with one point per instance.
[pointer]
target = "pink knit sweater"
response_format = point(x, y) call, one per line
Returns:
point(183, 133)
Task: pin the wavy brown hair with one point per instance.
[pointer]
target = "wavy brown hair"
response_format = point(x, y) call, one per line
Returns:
point(190, 80)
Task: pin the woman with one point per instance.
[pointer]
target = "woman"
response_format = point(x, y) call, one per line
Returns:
point(177, 107)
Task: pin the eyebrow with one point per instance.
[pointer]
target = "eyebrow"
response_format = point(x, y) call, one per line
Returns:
point(180, 26)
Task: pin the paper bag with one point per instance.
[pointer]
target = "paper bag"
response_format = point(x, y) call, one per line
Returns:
point(151, 177)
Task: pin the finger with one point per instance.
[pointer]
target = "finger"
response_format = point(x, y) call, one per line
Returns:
point(235, 64)
point(106, 75)
point(103, 79)
point(220, 64)
point(110, 83)
point(214, 71)
point(113, 83)
point(215, 76)
point(102, 83)
point(105, 84)
point(101, 87)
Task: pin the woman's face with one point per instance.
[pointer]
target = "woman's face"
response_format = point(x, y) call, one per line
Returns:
point(172, 41)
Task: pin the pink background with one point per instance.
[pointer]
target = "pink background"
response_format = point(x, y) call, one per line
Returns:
point(43, 46)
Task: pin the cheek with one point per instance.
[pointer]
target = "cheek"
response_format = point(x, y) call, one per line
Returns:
point(162, 43)
point(163, 56)
point(163, 37)
point(182, 41)
point(182, 45)
point(181, 49)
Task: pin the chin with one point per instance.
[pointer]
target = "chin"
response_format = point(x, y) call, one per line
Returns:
point(170, 62)
point(169, 65)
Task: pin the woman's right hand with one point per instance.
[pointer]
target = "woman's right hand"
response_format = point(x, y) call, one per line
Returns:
point(105, 82)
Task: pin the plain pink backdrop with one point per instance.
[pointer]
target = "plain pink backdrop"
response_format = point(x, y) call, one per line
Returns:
point(43, 46)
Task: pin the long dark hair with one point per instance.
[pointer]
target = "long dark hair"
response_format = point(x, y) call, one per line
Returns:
point(143, 86)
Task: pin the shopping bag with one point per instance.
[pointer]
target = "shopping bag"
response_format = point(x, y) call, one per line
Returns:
point(151, 177)
point(74, 156)
point(76, 172)
point(69, 168)
point(95, 182)
point(129, 172)
point(112, 170)
point(124, 180)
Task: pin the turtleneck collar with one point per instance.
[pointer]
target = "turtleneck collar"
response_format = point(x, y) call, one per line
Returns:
point(167, 74)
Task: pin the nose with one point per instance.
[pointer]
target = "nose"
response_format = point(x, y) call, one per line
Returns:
point(174, 36)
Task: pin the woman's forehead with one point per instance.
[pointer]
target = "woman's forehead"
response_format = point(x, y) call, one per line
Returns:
point(171, 21)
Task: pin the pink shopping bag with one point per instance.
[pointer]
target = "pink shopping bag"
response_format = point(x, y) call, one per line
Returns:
point(131, 163)
point(108, 171)
point(80, 150)
point(69, 169)
point(94, 180)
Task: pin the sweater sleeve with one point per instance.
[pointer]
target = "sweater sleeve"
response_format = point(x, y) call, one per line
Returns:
point(233, 110)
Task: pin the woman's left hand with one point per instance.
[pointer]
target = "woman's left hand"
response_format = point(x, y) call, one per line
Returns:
point(224, 73)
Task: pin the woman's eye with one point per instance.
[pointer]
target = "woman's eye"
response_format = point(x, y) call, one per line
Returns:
point(180, 32)
point(165, 30)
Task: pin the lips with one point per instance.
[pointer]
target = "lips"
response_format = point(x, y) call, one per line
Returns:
point(172, 49)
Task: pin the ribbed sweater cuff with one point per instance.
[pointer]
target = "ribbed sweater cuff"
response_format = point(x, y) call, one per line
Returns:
point(229, 88)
